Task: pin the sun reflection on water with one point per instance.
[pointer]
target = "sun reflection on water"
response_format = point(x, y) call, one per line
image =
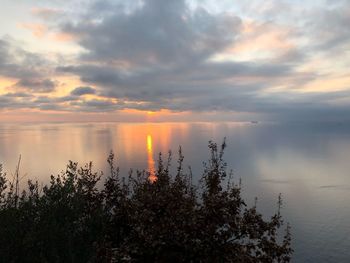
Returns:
point(151, 166)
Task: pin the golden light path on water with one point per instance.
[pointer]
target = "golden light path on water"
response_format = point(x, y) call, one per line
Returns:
point(150, 161)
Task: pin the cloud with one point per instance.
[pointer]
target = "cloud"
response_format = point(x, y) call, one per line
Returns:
point(46, 13)
point(334, 34)
point(18, 63)
point(18, 95)
point(36, 85)
point(264, 57)
point(8, 102)
point(159, 56)
point(31, 70)
point(79, 91)
point(158, 32)
point(38, 30)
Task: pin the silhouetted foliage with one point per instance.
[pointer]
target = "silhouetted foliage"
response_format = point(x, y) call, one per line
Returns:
point(131, 219)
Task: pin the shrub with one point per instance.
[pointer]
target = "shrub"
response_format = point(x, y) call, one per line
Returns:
point(134, 219)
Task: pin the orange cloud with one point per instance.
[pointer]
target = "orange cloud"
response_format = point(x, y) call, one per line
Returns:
point(328, 83)
point(38, 30)
point(62, 37)
point(258, 40)
point(5, 83)
point(262, 37)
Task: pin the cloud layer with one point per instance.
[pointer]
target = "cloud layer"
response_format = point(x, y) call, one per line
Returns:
point(278, 59)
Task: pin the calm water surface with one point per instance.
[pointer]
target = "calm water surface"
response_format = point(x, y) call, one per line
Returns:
point(308, 164)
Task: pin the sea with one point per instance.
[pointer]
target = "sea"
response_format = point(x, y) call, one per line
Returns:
point(307, 163)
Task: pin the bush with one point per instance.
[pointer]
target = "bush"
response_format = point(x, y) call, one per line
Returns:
point(132, 219)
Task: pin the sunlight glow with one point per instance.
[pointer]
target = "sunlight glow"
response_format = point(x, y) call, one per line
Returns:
point(151, 167)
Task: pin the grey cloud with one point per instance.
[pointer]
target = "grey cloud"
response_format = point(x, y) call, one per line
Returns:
point(161, 31)
point(96, 105)
point(18, 63)
point(323, 26)
point(15, 103)
point(168, 49)
point(159, 55)
point(4, 100)
point(42, 100)
point(37, 85)
point(53, 100)
point(283, 107)
point(79, 91)
point(30, 69)
point(181, 80)
point(18, 95)
point(52, 106)
point(99, 104)
point(66, 98)
point(331, 27)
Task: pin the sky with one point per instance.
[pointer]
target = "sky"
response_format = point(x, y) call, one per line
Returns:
point(167, 60)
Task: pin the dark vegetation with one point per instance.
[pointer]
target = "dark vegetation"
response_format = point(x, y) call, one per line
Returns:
point(130, 219)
